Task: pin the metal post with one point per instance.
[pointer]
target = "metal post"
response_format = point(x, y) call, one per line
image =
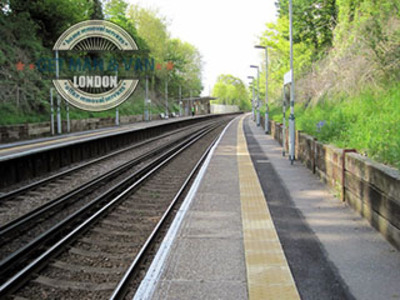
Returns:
point(258, 93)
point(51, 111)
point(68, 121)
point(116, 117)
point(150, 113)
point(17, 95)
point(180, 101)
point(292, 97)
point(146, 100)
point(253, 102)
point(189, 107)
point(59, 129)
point(284, 122)
point(266, 127)
point(258, 96)
point(166, 99)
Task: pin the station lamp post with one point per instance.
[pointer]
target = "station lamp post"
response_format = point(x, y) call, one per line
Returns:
point(180, 101)
point(252, 99)
point(59, 124)
point(291, 117)
point(166, 98)
point(266, 127)
point(189, 107)
point(258, 93)
point(146, 100)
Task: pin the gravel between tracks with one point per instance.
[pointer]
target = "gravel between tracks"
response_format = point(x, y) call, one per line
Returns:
point(15, 242)
point(22, 204)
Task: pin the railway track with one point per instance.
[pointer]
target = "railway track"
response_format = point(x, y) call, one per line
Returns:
point(17, 201)
point(86, 252)
point(45, 221)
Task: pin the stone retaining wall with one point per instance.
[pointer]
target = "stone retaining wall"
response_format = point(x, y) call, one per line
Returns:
point(370, 188)
point(11, 133)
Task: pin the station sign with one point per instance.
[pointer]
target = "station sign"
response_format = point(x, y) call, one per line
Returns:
point(287, 78)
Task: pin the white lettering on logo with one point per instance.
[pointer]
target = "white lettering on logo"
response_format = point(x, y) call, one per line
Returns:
point(95, 81)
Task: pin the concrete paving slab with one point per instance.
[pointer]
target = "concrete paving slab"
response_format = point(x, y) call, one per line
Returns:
point(199, 259)
point(212, 224)
point(208, 201)
point(194, 290)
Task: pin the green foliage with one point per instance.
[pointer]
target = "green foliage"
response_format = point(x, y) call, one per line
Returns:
point(231, 90)
point(10, 114)
point(276, 38)
point(330, 37)
point(353, 14)
point(355, 123)
point(346, 61)
point(185, 58)
point(29, 30)
point(116, 11)
point(96, 10)
point(187, 68)
point(313, 20)
point(51, 17)
point(152, 28)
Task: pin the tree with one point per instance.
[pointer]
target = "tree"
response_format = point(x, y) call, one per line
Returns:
point(276, 38)
point(231, 90)
point(152, 28)
point(183, 58)
point(96, 11)
point(51, 17)
point(116, 12)
point(313, 20)
point(187, 67)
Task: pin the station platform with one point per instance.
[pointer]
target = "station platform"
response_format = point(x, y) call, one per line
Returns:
point(253, 226)
point(36, 145)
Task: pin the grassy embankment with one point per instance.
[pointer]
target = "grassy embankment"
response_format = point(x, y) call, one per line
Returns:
point(368, 122)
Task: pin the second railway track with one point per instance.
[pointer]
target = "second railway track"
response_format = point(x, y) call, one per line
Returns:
point(20, 199)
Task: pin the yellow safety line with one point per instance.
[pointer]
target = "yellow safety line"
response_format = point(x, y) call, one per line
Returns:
point(268, 274)
point(77, 137)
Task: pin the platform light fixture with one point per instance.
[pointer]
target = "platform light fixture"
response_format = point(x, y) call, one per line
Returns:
point(252, 99)
point(166, 98)
point(258, 93)
point(291, 117)
point(266, 127)
point(146, 101)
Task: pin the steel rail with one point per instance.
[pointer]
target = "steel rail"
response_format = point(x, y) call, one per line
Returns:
point(122, 287)
point(22, 222)
point(12, 259)
point(141, 175)
point(36, 184)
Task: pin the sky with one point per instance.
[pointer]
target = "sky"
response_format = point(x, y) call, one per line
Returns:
point(224, 32)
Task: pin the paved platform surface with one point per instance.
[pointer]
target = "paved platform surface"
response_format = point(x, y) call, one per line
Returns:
point(225, 246)
point(64, 139)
